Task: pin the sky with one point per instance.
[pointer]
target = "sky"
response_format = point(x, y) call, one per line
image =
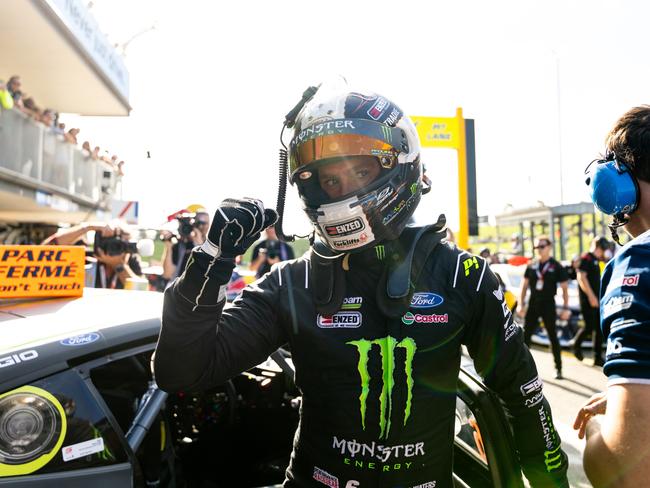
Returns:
point(210, 85)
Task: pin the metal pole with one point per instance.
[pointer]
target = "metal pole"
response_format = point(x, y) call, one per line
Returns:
point(559, 124)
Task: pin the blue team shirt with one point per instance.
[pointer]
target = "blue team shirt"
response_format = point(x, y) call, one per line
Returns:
point(625, 313)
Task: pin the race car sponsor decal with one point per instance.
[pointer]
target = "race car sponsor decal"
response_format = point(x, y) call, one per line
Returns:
point(324, 477)
point(621, 323)
point(511, 330)
point(19, 357)
point(80, 340)
point(345, 228)
point(384, 194)
point(553, 459)
point(532, 386)
point(352, 449)
point(82, 449)
point(323, 129)
point(386, 356)
point(340, 320)
point(352, 303)
point(469, 264)
point(377, 109)
point(534, 400)
point(617, 303)
point(627, 280)
point(409, 318)
point(352, 484)
point(614, 347)
point(428, 484)
point(393, 117)
point(548, 429)
point(345, 243)
point(426, 300)
point(498, 293)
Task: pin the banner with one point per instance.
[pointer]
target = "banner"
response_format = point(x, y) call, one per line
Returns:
point(40, 271)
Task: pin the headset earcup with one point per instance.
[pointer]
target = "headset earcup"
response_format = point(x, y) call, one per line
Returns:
point(613, 188)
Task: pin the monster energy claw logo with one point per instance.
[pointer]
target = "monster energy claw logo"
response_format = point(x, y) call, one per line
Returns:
point(553, 459)
point(381, 252)
point(386, 133)
point(387, 347)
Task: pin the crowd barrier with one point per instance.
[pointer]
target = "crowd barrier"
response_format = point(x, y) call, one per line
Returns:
point(31, 152)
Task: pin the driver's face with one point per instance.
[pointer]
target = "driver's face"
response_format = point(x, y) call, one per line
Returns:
point(348, 175)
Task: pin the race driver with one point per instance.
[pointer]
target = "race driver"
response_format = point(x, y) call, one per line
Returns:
point(375, 314)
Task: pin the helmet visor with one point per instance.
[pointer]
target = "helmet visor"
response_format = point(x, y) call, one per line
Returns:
point(339, 178)
point(346, 138)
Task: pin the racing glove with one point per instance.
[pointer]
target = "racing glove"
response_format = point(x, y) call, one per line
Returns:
point(236, 225)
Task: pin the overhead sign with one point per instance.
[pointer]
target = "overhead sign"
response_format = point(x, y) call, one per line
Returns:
point(39, 271)
point(456, 133)
point(82, 25)
point(438, 131)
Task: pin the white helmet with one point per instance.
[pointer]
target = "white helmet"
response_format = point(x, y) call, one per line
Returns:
point(355, 158)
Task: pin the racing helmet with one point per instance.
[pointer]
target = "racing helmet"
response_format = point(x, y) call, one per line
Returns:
point(355, 159)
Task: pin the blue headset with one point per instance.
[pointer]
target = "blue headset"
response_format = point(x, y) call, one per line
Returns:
point(612, 187)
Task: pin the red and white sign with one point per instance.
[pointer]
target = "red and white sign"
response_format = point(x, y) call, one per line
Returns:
point(126, 210)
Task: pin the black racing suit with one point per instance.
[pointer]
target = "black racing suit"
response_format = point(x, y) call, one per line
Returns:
point(378, 394)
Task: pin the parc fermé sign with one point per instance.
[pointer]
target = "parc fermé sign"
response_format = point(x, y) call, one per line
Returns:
point(38, 271)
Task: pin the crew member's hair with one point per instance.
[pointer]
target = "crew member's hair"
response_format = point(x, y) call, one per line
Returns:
point(600, 242)
point(629, 140)
point(544, 238)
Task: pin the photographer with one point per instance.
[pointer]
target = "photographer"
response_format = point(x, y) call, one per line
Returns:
point(268, 252)
point(116, 257)
point(192, 232)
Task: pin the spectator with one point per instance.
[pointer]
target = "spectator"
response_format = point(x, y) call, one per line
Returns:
point(6, 100)
point(543, 276)
point(113, 270)
point(588, 278)
point(13, 85)
point(71, 136)
point(178, 249)
point(47, 118)
point(268, 252)
point(29, 107)
point(85, 148)
point(616, 451)
point(60, 129)
point(120, 169)
point(95, 153)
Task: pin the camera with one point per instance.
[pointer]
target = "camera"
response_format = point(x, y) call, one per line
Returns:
point(114, 245)
point(272, 249)
point(185, 226)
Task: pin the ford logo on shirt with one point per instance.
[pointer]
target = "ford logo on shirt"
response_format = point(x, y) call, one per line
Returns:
point(426, 300)
point(81, 340)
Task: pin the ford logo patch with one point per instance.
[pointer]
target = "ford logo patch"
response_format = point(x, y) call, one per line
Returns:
point(426, 300)
point(81, 340)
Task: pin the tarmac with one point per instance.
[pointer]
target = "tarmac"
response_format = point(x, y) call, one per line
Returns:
point(566, 396)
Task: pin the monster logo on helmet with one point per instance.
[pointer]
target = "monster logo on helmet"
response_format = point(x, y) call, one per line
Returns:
point(333, 128)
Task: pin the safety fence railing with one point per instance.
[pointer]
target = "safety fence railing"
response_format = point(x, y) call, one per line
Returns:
point(34, 154)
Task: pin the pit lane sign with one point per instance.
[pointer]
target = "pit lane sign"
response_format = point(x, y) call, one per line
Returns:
point(38, 271)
